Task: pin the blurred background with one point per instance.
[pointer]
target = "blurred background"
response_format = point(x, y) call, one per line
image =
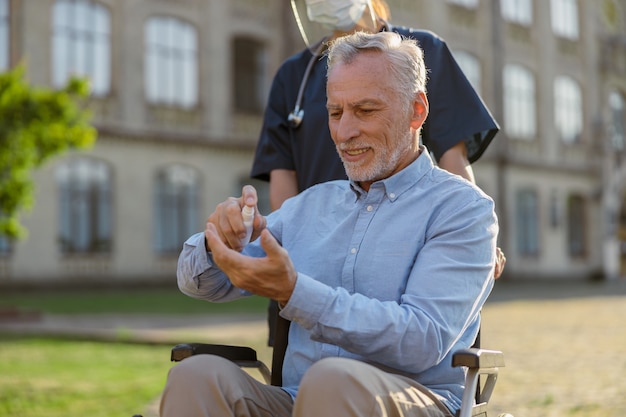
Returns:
point(178, 89)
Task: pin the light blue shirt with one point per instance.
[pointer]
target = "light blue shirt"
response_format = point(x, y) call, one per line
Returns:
point(395, 276)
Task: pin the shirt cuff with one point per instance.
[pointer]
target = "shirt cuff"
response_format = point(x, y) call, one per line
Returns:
point(193, 261)
point(308, 301)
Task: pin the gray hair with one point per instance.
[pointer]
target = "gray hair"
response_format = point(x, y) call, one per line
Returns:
point(405, 57)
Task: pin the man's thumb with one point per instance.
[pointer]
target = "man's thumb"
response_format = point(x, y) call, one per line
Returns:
point(269, 243)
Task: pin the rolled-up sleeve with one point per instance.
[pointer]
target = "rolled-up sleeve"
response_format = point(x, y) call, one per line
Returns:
point(199, 278)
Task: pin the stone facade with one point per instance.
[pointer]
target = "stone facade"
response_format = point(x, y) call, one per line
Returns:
point(137, 138)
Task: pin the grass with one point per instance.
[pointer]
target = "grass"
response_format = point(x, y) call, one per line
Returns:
point(42, 377)
point(59, 377)
point(128, 301)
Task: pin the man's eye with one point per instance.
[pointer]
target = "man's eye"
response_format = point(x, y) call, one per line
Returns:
point(334, 114)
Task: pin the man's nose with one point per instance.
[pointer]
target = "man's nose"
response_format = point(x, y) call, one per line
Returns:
point(347, 127)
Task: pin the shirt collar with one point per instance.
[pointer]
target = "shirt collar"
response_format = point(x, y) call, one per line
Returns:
point(401, 181)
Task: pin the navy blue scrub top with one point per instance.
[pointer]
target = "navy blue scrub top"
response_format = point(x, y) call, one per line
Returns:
point(456, 113)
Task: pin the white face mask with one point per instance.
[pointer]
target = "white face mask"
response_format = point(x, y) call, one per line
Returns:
point(336, 14)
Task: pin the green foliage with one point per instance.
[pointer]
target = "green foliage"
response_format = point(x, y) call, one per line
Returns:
point(35, 125)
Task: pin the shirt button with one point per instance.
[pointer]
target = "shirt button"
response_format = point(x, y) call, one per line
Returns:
point(370, 208)
point(353, 250)
point(392, 195)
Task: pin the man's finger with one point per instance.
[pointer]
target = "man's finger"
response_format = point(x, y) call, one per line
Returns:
point(216, 245)
point(249, 196)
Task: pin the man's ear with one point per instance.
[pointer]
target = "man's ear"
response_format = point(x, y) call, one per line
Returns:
point(420, 110)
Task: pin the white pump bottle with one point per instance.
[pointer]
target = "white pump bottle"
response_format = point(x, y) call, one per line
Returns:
point(248, 217)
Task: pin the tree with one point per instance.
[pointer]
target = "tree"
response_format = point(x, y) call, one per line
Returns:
point(35, 125)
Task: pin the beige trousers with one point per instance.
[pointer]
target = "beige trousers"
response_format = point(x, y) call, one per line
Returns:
point(206, 385)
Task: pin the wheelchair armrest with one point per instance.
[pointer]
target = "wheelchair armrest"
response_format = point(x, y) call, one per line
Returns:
point(242, 356)
point(232, 353)
point(478, 362)
point(478, 358)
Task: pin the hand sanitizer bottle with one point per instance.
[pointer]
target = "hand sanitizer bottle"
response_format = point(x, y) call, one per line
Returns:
point(248, 217)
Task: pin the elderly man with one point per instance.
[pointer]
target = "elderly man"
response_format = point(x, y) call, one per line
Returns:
point(383, 275)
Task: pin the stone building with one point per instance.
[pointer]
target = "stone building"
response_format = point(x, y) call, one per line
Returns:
point(178, 91)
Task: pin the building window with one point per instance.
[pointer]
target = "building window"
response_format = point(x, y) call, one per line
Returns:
point(4, 35)
point(85, 206)
point(249, 75)
point(576, 226)
point(171, 62)
point(176, 207)
point(616, 124)
point(81, 44)
point(471, 68)
point(527, 223)
point(517, 11)
point(568, 112)
point(564, 14)
point(5, 246)
point(465, 3)
point(520, 120)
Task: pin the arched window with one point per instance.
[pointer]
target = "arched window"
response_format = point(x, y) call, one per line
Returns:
point(568, 109)
point(176, 207)
point(84, 206)
point(520, 119)
point(81, 44)
point(171, 62)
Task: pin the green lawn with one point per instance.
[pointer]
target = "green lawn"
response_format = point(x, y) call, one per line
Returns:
point(60, 378)
point(155, 301)
point(70, 378)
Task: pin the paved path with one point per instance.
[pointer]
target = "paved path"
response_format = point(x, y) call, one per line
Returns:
point(145, 328)
point(158, 328)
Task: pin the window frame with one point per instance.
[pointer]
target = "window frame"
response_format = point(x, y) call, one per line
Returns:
point(248, 66)
point(527, 222)
point(171, 62)
point(5, 35)
point(470, 4)
point(519, 99)
point(568, 109)
point(471, 66)
point(85, 206)
point(564, 19)
point(617, 131)
point(82, 41)
point(176, 207)
point(517, 11)
point(576, 226)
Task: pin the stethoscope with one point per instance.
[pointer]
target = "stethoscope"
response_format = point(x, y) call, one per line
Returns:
point(297, 114)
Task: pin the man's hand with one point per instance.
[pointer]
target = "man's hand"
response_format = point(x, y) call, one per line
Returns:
point(228, 221)
point(273, 276)
point(500, 261)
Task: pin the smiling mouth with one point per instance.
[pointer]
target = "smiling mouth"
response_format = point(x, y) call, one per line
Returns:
point(355, 152)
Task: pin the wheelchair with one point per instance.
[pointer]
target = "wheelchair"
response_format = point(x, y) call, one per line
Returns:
point(479, 363)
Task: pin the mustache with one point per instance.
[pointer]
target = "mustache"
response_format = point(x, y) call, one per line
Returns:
point(353, 144)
